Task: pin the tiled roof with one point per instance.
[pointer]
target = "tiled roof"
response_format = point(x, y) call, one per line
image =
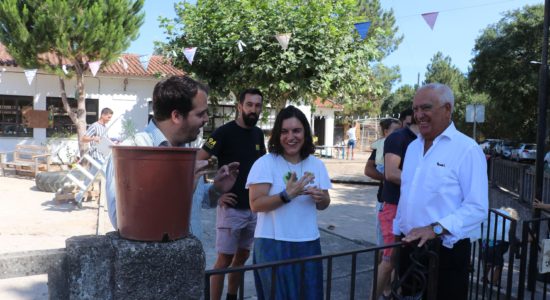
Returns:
point(325, 103)
point(157, 65)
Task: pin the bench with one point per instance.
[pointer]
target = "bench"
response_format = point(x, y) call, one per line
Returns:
point(27, 159)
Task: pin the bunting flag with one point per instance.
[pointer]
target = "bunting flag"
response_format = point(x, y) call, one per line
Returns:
point(94, 66)
point(430, 18)
point(64, 68)
point(144, 61)
point(30, 73)
point(362, 28)
point(190, 54)
point(123, 62)
point(240, 44)
point(283, 39)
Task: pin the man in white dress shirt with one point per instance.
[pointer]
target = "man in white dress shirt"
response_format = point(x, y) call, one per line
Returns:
point(444, 191)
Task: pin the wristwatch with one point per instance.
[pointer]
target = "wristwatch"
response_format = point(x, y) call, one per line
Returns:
point(437, 228)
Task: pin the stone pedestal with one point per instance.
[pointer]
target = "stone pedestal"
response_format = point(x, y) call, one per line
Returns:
point(109, 267)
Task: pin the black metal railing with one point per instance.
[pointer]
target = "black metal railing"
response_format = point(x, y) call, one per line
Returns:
point(533, 274)
point(328, 260)
point(518, 179)
point(498, 236)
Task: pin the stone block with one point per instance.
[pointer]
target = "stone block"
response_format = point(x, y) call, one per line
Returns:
point(109, 267)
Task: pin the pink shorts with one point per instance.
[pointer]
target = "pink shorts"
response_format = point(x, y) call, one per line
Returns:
point(386, 217)
point(234, 229)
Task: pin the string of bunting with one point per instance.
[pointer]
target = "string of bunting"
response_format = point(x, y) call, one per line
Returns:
point(362, 29)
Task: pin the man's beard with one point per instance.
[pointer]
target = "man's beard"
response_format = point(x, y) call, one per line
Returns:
point(250, 119)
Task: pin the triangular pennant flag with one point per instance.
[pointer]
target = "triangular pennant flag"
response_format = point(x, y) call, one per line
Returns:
point(94, 66)
point(362, 28)
point(64, 68)
point(30, 73)
point(190, 54)
point(122, 61)
point(240, 44)
point(283, 39)
point(144, 61)
point(430, 18)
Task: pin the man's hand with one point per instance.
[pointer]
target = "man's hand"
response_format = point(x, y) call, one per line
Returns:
point(226, 176)
point(423, 234)
point(227, 200)
point(200, 170)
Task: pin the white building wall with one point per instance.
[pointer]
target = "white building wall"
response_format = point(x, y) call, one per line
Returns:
point(128, 101)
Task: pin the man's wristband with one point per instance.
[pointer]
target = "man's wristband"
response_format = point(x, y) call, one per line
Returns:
point(284, 196)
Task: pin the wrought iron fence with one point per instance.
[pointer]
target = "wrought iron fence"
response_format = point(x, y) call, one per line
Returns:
point(518, 179)
point(328, 261)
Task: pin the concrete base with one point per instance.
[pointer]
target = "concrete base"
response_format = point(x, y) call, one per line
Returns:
point(109, 267)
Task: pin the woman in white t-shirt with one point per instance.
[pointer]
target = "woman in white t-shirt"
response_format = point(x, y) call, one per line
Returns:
point(287, 187)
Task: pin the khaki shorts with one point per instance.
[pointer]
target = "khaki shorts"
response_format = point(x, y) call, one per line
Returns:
point(234, 229)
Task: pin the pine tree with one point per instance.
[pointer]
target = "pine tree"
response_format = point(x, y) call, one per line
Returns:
point(74, 31)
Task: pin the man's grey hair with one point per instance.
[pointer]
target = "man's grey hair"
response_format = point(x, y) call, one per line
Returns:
point(444, 92)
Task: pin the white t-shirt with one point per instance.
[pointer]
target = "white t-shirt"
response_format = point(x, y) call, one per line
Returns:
point(351, 133)
point(295, 221)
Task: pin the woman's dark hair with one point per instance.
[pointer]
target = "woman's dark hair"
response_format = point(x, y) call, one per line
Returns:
point(386, 123)
point(175, 93)
point(274, 144)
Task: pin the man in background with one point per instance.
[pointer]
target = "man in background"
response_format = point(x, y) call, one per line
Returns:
point(95, 133)
point(241, 141)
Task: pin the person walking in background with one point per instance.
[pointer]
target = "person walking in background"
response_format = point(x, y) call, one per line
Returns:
point(352, 139)
point(395, 147)
point(242, 141)
point(287, 186)
point(444, 193)
point(95, 133)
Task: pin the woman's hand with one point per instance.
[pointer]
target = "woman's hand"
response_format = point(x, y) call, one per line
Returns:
point(296, 187)
point(321, 197)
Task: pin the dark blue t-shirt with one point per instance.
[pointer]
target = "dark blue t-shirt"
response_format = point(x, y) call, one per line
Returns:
point(396, 143)
point(230, 143)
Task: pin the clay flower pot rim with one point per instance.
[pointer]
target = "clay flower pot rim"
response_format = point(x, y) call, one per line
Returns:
point(153, 148)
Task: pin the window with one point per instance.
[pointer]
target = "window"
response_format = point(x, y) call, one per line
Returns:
point(11, 118)
point(63, 125)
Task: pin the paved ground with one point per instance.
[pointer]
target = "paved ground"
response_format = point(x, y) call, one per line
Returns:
point(31, 221)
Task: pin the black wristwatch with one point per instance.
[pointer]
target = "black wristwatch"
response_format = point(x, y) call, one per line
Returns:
point(284, 196)
point(437, 229)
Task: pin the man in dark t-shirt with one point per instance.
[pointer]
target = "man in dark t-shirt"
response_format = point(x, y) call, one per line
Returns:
point(243, 142)
point(395, 147)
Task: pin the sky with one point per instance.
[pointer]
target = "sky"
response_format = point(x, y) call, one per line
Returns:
point(458, 24)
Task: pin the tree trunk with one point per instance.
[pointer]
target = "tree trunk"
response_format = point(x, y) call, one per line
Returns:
point(78, 115)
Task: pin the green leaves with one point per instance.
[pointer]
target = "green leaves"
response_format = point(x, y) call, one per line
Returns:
point(501, 69)
point(324, 58)
point(76, 30)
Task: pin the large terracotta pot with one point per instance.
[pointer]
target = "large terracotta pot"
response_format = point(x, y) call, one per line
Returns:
point(154, 191)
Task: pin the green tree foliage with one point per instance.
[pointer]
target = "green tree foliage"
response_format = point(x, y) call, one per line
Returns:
point(74, 30)
point(383, 29)
point(398, 101)
point(501, 69)
point(325, 57)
